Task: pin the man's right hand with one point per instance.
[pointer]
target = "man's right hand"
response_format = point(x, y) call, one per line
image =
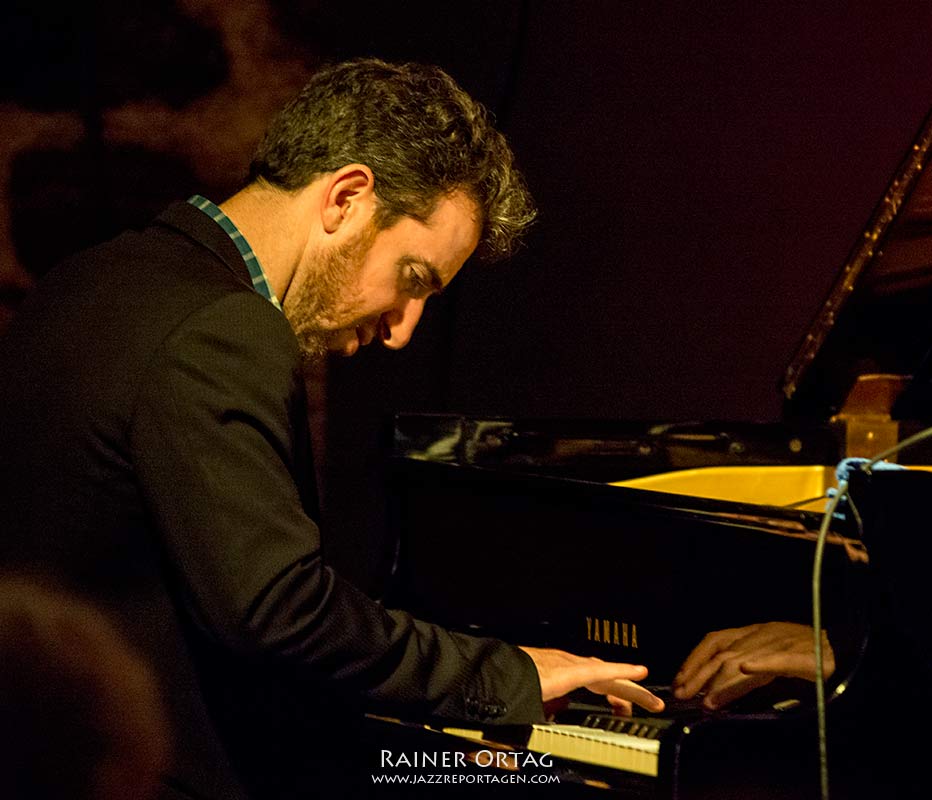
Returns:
point(561, 672)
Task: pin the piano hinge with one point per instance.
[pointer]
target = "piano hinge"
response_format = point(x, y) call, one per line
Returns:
point(866, 418)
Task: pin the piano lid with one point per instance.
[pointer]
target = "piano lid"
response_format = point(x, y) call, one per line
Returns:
point(876, 317)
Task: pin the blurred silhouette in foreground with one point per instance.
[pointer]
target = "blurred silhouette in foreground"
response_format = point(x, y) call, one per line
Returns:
point(80, 714)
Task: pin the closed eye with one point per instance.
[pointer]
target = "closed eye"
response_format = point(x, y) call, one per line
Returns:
point(421, 279)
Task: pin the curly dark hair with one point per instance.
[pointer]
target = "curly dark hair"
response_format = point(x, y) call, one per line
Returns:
point(422, 136)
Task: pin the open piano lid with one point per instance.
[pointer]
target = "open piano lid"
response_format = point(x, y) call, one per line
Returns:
point(877, 317)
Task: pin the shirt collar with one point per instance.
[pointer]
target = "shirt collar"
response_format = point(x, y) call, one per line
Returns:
point(260, 281)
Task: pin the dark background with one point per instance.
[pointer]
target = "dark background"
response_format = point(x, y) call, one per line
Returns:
point(702, 170)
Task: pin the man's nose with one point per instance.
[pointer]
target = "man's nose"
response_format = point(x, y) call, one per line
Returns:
point(397, 326)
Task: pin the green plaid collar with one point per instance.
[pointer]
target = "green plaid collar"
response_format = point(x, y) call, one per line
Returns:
point(259, 280)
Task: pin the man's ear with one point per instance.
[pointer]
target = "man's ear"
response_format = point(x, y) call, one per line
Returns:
point(349, 197)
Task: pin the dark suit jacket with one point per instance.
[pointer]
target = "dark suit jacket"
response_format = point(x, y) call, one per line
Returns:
point(155, 457)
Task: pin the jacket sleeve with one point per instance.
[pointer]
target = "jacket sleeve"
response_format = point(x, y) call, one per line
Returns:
point(215, 442)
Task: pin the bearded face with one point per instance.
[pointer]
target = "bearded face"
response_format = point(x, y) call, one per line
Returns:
point(375, 285)
point(323, 307)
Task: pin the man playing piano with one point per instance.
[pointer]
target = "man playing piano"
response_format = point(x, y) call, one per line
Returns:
point(155, 443)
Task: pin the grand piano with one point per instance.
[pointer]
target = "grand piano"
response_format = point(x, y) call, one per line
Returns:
point(630, 540)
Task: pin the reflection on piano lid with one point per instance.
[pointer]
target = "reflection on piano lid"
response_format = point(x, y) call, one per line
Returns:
point(622, 573)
